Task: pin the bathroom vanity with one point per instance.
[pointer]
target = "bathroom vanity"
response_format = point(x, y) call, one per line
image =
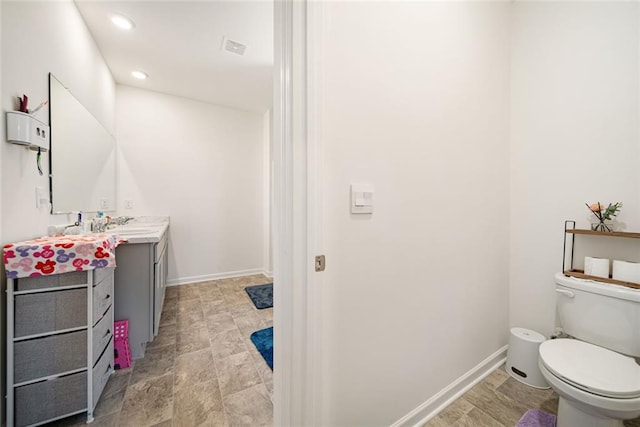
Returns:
point(63, 295)
point(140, 279)
point(59, 327)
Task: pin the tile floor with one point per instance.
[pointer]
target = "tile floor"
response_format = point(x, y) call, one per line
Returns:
point(498, 401)
point(201, 370)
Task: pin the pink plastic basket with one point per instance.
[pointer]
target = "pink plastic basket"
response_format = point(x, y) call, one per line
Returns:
point(122, 353)
point(121, 329)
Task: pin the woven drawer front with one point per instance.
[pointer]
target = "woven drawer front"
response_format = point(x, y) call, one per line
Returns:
point(102, 297)
point(99, 274)
point(50, 311)
point(102, 334)
point(102, 372)
point(49, 399)
point(55, 280)
point(50, 355)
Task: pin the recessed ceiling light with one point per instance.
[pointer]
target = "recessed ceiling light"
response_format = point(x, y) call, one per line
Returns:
point(139, 75)
point(122, 22)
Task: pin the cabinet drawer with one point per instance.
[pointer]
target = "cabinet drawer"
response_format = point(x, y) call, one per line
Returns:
point(49, 399)
point(99, 274)
point(102, 334)
point(102, 297)
point(50, 311)
point(55, 280)
point(50, 355)
point(101, 372)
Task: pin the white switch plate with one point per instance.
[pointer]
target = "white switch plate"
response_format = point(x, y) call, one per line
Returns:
point(361, 198)
point(104, 204)
point(128, 204)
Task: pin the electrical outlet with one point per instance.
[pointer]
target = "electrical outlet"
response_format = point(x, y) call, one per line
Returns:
point(128, 204)
point(104, 204)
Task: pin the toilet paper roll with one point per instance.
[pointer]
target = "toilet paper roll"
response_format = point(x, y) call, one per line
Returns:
point(626, 271)
point(596, 266)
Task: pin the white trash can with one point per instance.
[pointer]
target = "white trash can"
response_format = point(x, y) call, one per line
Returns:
point(522, 357)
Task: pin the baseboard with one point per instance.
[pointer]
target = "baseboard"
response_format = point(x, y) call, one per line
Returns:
point(444, 398)
point(216, 276)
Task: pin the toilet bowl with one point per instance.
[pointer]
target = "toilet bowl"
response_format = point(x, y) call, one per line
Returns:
point(597, 387)
point(594, 372)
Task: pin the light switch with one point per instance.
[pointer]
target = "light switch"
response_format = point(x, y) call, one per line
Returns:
point(361, 198)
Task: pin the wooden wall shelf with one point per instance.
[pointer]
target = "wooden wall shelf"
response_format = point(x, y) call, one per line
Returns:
point(605, 233)
point(568, 253)
point(580, 275)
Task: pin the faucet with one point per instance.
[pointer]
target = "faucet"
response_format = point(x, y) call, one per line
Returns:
point(99, 225)
point(121, 220)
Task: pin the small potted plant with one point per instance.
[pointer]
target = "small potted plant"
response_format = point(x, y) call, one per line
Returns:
point(604, 214)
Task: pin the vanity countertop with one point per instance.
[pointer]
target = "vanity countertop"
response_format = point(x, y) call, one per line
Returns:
point(145, 229)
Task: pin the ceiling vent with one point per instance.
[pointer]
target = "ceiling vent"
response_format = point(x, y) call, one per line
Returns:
point(233, 46)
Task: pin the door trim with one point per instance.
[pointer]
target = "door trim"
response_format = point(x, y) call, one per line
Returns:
point(297, 219)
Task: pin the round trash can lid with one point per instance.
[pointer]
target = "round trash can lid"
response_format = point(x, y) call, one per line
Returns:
point(528, 335)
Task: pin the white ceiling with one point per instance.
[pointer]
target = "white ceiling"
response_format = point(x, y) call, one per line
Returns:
point(178, 44)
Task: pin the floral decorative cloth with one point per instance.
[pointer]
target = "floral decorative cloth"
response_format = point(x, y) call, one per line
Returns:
point(60, 254)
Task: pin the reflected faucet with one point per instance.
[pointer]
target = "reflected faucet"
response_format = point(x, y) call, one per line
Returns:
point(69, 229)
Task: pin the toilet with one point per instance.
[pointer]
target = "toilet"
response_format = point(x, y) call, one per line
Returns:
point(594, 373)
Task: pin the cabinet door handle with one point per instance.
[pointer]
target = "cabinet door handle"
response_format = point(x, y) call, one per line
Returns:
point(566, 293)
point(105, 376)
point(105, 301)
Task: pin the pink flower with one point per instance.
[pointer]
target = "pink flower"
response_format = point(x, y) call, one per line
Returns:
point(596, 207)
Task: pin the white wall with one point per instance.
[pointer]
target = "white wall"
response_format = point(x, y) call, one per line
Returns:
point(202, 165)
point(39, 38)
point(574, 136)
point(267, 192)
point(414, 100)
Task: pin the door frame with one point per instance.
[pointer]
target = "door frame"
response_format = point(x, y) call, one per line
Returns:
point(297, 216)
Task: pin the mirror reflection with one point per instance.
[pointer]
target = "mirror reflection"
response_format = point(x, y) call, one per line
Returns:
point(82, 161)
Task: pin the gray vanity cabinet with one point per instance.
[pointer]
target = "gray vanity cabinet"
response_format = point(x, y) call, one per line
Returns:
point(59, 344)
point(140, 282)
point(161, 266)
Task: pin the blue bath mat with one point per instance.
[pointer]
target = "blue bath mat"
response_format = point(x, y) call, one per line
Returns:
point(263, 340)
point(261, 295)
point(537, 418)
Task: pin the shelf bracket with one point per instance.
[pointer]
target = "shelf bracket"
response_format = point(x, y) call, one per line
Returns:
point(568, 225)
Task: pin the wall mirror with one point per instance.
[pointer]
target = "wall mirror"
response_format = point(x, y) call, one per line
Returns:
point(82, 156)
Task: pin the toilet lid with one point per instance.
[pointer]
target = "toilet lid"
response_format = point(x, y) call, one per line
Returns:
point(591, 368)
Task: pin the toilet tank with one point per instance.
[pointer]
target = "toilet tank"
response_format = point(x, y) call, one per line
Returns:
point(600, 313)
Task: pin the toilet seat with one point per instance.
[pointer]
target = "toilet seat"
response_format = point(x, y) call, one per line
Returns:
point(591, 368)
